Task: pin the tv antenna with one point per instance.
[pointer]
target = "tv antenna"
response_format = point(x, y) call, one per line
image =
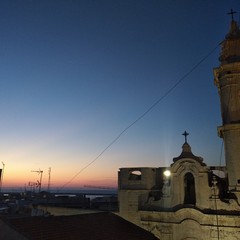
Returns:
point(39, 183)
point(1, 175)
point(49, 176)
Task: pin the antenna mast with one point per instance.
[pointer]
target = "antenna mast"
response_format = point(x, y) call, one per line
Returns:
point(39, 183)
point(49, 177)
point(1, 176)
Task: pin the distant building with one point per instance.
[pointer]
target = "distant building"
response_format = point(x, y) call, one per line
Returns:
point(190, 200)
point(108, 203)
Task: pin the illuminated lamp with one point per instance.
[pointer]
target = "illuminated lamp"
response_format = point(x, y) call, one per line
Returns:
point(167, 173)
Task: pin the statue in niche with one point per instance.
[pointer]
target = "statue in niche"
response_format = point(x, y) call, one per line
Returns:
point(215, 188)
point(166, 187)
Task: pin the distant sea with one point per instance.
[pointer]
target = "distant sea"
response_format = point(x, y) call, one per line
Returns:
point(71, 191)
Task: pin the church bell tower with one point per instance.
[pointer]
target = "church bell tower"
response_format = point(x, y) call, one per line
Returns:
point(227, 80)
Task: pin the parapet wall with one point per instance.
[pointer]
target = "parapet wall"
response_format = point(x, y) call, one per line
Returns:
point(137, 178)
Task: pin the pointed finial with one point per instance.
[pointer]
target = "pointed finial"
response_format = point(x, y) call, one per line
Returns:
point(232, 13)
point(185, 134)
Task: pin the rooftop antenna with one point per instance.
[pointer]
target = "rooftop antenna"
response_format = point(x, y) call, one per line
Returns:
point(49, 177)
point(39, 183)
point(1, 176)
point(32, 186)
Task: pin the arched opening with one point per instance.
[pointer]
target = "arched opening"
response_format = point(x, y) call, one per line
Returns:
point(135, 175)
point(189, 189)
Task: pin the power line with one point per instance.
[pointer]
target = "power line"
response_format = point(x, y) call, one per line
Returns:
point(142, 115)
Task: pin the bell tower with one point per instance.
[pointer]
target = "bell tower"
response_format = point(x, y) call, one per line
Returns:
point(227, 80)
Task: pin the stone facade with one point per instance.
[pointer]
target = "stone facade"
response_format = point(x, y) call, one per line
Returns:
point(190, 200)
point(193, 202)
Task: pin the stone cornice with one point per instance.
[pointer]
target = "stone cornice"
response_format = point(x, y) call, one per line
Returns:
point(228, 127)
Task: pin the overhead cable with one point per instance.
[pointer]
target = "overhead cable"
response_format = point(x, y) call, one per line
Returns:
point(142, 115)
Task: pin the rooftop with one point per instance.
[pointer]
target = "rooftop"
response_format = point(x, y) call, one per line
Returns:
point(94, 226)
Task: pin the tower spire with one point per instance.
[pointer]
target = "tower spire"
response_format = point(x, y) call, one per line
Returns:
point(227, 80)
point(230, 46)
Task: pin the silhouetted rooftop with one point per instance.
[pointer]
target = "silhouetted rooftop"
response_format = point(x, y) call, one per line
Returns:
point(96, 226)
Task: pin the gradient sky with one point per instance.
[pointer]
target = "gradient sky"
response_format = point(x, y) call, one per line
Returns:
point(75, 73)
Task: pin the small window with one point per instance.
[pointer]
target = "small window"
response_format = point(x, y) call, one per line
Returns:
point(135, 175)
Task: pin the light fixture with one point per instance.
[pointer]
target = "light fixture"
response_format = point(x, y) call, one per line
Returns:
point(167, 173)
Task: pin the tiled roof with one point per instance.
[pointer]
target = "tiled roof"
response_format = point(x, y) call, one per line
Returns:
point(96, 226)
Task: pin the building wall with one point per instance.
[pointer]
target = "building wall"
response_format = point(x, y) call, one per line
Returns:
point(191, 224)
point(200, 174)
point(157, 203)
point(134, 187)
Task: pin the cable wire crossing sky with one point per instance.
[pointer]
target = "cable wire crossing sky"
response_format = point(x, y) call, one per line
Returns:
point(140, 117)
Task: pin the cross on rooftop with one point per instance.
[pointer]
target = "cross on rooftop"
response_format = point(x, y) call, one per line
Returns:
point(185, 134)
point(232, 13)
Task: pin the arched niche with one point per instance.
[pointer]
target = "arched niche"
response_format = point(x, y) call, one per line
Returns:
point(189, 189)
point(135, 175)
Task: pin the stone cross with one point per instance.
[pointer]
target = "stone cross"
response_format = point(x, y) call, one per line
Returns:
point(185, 134)
point(232, 13)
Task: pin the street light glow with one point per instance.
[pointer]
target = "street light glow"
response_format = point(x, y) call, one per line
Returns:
point(167, 173)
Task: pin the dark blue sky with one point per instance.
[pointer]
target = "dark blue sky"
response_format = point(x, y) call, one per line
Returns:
point(74, 74)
